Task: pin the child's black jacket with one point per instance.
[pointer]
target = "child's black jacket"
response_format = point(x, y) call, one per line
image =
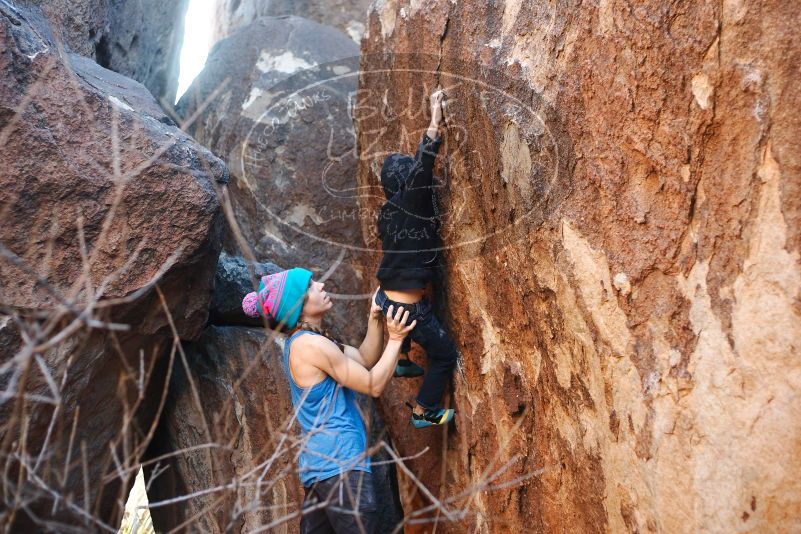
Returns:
point(408, 222)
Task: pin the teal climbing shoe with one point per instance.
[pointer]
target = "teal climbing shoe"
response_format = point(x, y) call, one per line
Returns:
point(408, 369)
point(439, 416)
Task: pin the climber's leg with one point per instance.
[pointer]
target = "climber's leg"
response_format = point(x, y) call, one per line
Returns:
point(406, 345)
point(442, 355)
point(406, 368)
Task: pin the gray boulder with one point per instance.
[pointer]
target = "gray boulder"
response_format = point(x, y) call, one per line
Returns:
point(276, 99)
point(110, 219)
point(348, 16)
point(141, 40)
point(232, 281)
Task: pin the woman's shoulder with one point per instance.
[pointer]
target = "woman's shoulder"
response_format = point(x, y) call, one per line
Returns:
point(303, 331)
point(297, 339)
point(308, 347)
point(301, 358)
point(305, 343)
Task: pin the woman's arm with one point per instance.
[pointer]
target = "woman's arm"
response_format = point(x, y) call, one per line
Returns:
point(370, 349)
point(326, 356)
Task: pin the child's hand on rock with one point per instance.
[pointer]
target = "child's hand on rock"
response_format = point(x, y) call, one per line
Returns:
point(437, 97)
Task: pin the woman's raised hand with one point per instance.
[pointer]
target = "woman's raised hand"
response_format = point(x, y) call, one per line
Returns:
point(396, 323)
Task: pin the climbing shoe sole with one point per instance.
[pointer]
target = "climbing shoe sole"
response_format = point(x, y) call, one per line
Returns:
point(441, 417)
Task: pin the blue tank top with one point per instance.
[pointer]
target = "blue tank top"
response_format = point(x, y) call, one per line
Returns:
point(333, 430)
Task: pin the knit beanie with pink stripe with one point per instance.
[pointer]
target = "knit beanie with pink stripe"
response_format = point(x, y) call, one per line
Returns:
point(279, 297)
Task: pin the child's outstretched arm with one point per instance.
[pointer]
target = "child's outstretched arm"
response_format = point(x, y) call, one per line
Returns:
point(422, 178)
point(436, 114)
point(427, 149)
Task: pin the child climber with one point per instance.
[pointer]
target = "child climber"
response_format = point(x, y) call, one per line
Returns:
point(408, 225)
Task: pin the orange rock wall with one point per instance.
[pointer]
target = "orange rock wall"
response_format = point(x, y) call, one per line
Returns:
point(621, 193)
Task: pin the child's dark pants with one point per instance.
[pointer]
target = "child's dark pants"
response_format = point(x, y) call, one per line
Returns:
point(429, 334)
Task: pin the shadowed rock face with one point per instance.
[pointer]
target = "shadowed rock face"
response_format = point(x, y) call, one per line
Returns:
point(273, 101)
point(636, 336)
point(232, 282)
point(140, 39)
point(348, 16)
point(238, 401)
point(89, 157)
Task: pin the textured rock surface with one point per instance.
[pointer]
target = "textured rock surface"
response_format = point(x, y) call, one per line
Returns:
point(635, 334)
point(348, 16)
point(141, 39)
point(239, 402)
point(89, 157)
point(277, 97)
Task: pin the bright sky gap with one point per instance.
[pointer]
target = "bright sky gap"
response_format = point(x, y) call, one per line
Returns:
point(197, 41)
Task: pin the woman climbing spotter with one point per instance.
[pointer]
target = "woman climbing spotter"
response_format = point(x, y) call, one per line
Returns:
point(324, 376)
